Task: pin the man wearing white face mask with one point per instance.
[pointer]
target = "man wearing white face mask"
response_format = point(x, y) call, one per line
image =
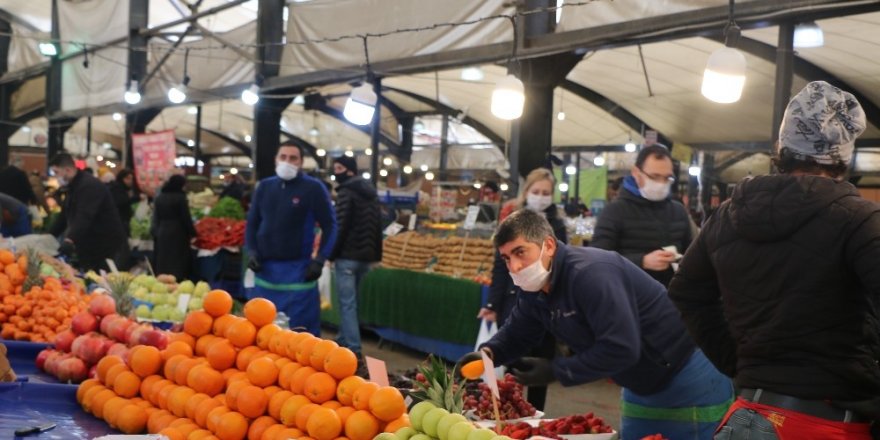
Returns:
point(279, 237)
point(643, 220)
point(618, 322)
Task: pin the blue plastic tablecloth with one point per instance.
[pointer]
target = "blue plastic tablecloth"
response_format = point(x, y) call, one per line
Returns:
point(22, 357)
point(24, 404)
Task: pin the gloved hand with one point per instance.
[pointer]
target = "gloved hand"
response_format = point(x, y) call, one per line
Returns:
point(254, 263)
point(533, 371)
point(467, 359)
point(470, 357)
point(66, 248)
point(313, 272)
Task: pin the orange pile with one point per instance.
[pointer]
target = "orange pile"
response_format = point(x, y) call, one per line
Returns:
point(230, 378)
point(40, 313)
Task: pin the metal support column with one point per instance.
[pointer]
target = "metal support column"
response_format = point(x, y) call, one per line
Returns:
point(784, 76)
point(197, 148)
point(267, 134)
point(707, 177)
point(5, 130)
point(267, 112)
point(55, 143)
point(444, 148)
point(138, 18)
point(577, 176)
point(57, 128)
point(376, 131)
point(88, 136)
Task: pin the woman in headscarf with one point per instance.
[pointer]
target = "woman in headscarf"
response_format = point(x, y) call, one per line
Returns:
point(172, 229)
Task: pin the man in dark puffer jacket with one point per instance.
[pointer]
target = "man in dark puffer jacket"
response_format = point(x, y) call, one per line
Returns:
point(781, 288)
point(358, 244)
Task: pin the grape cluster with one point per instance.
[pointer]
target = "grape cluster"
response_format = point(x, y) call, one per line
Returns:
point(511, 405)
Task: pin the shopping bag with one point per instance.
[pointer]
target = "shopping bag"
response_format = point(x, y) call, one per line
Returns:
point(324, 286)
point(487, 330)
point(142, 212)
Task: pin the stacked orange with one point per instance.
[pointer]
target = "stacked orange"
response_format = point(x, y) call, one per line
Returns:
point(41, 312)
point(229, 378)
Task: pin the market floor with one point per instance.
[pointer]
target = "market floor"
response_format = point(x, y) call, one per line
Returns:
point(601, 397)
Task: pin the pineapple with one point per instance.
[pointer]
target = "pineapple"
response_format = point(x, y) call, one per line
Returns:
point(442, 389)
point(33, 278)
point(118, 284)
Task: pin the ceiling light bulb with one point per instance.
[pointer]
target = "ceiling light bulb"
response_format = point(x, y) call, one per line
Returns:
point(321, 152)
point(383, 172)
point(630, 147)
point(472, 74)
point(190, 143)
point(560, 116)
point(570, 170)
point(725, 76)
point(694, 170)
point(808, 34)
point(251, 95)
point(233, 171)
point(48, 49)
point(177, 94)
point(429, 175)
point(366, 175)
point(508, 98)
point(368, 151)
point(599, 161)
point(361, 105)
point(247, 138)
point(99, 158)
point(503, 187)
point(349, 153)
point(132, 95)
point(313, 132)
point(387, 161)
point(477, 185)
point(563, 187)
point(192, 110)
point(407, 169)
point(424, 167)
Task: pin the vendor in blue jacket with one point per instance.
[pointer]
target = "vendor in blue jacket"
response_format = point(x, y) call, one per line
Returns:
point(616, 321)
point(279, 238)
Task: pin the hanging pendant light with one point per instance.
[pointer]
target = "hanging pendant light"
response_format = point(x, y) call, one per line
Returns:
point(808, 35)
point(251, 95)
point(132, 96)
point(361, 105)
point(725, 74)
point(508, 98)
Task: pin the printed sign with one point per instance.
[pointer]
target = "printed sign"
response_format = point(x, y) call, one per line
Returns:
point(153, 155)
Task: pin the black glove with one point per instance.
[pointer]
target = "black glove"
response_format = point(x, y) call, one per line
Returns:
point(469, 357)
point(533, 371)
point(313, 272)
point(66, 249)
point(254, 263)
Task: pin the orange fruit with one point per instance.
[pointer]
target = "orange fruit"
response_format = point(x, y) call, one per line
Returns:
point(222, 323)
point(148, 383)
point(361, 425)
point(182, 337)
point(324, 424)
point(265, 334)
point(271, 390)
point(252, 401)
point(103, 366)
point(214, 417)
point(232, 393)
point(202, 410)
point(153, 392)
point(192, 403)
point(272, 431)
point(260, 311)
point(84, 387)
point(241, 334)
point(164, 394)
point(398, 423)
point(236, 376)
point(262, 371)
point(111, 409)
point(387, 403)
point(281, 432)
point(171, 365)
point(231, 426)
point(217, 303)
point(244, 357)
point(203, 343)
point(259, 426)
point(205, 379)
point(303, 414)
point(290, 407)
point(127, 384)
point(175, 348)
point(114, 371)
point(332, 404)
point(177, 400)
point(198, 323)
point(346, 388)
point(145, 360)
point(319, 387)
point(472, 370)
point(172, 434)
point(304, 350)
point(221, 355)
point(285, 374)
point(183, 368)
point(361, 398)
point(344, 412)
point(275, 402)
point(131, 419)
point(319, 351)
point(98, 401)
point(298, 380)
point(201, 434)
point(340, 363)
point(159, 420)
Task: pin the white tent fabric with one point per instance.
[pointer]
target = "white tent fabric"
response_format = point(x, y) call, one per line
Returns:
point(92, 22)
point(23, 51)
point(334, 18)
point(604, 12)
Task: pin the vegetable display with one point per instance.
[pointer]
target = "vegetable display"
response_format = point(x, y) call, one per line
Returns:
point(229, 208)
point(213, 233)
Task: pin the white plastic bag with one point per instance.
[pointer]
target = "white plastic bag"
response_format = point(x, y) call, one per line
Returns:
point(142, 212)
point(324, 287)
point(487, 330)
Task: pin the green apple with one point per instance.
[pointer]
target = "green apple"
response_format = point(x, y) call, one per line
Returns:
point(385, 436)
point(431, 419)
point(405, 433)
point(460, 431)
point(142, 311)
point(481, 434)
point(501, 437)
point(417, 412)
point(171, 299)
point(176, 315)
point(446, 422)
point(420, 436)
point(201, 289)
point(195, 304)
point(186, 286)
point(162, 312)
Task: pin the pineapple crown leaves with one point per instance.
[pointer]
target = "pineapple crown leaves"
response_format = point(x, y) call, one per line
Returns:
point(442, 389)
point(118, 284)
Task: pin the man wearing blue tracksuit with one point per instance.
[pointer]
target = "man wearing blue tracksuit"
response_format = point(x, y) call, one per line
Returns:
point(616, 321)
point(280, 233)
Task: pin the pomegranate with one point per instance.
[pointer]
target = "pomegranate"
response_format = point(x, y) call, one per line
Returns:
point(102, 305)
point(72, 370)
point(90, 348)
point(84, 322)
point(154, 337)
point(134, 333)
point(119, 329)
point(107, 321)
point(118, 349)
point(43, 356)
point(64, 339)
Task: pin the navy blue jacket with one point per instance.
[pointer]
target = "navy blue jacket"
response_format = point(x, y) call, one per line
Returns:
point(281, 220)
point(615, 318)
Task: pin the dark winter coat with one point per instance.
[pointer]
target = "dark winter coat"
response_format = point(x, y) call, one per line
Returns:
point(780, 289)
point(617, 320)
point(92, 222)
point(359, 222)
point(172, 228)
point(124, 201)
point(14, 182)
point(634, 226)
point(502, 292)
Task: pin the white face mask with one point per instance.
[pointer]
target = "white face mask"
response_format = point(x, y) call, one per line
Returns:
point(654, 191)
point(532, 277)
point(286, 170)
point(537, 202)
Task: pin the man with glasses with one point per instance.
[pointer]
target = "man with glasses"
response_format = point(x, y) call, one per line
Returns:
point(643, 224)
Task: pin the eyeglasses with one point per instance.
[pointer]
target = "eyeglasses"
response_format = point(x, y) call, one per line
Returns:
point(658, 177)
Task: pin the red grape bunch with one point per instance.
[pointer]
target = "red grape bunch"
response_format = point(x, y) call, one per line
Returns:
point(511, 405)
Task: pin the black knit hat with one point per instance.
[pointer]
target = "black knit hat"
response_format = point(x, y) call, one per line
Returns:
point(348, 162)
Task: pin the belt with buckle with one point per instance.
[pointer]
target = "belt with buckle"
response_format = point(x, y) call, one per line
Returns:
point(815, 408)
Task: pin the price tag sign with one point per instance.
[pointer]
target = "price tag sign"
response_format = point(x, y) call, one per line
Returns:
point(111, 265)
point(249, 279)
point(412, 222)
point(182, 302)
point(393, 229)
point(471, 218)
point(377, 370)
point(489, 374)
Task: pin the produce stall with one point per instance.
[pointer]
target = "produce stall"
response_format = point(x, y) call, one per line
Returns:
point(28, 404)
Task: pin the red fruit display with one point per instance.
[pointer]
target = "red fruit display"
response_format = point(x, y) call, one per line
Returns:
point(102, 305)
point(512, 405)
point(64, 340)
point(84, 322)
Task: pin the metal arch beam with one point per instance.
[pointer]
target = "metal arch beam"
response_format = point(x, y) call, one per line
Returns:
point(611, 107)
point(444, 109)
point(308, 146)
point(235, 142)
point(810, 72)
point(317, 102)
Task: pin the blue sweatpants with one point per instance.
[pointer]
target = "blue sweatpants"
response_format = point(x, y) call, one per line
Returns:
point(282, 283)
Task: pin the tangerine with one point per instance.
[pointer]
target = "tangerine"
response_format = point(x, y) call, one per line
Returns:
point(104, 365)
point(131, 419)
point(193, 403)
point(114, 371)
point(127, 384)
point(265, 334)
point(387, 404)
point(252, 401)
point(346, 388)
point(290, 407)
point(275, 403)
point(203, 343)
point(259, 426)
point(361, 425)
point(298, 380)
point(175, 348)
point(145, 360)
point(177, 400)
point(340, 362)
point(303, 414)
point(198, 323)
point(260, 311)
point(361, 398)
point(285, 374)
point(221, 355)
point(319, 387)
point(319, 352)
point(203, 409)
point(222, 323)
point(205, 379)
point(344, 412)
point(262, 371)
point(324, 424)
point(304, 350)
point(241, 333)
point(214, 417)
point(244, 357)
point(398, 423)
point(231, 426)
point(217, 303)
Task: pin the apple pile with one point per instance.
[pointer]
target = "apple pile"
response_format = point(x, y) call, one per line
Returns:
point(430, 422)
point(93, 334)
point(511, 404)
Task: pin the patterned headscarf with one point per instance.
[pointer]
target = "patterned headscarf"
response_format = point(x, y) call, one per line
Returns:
point(822, 123)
